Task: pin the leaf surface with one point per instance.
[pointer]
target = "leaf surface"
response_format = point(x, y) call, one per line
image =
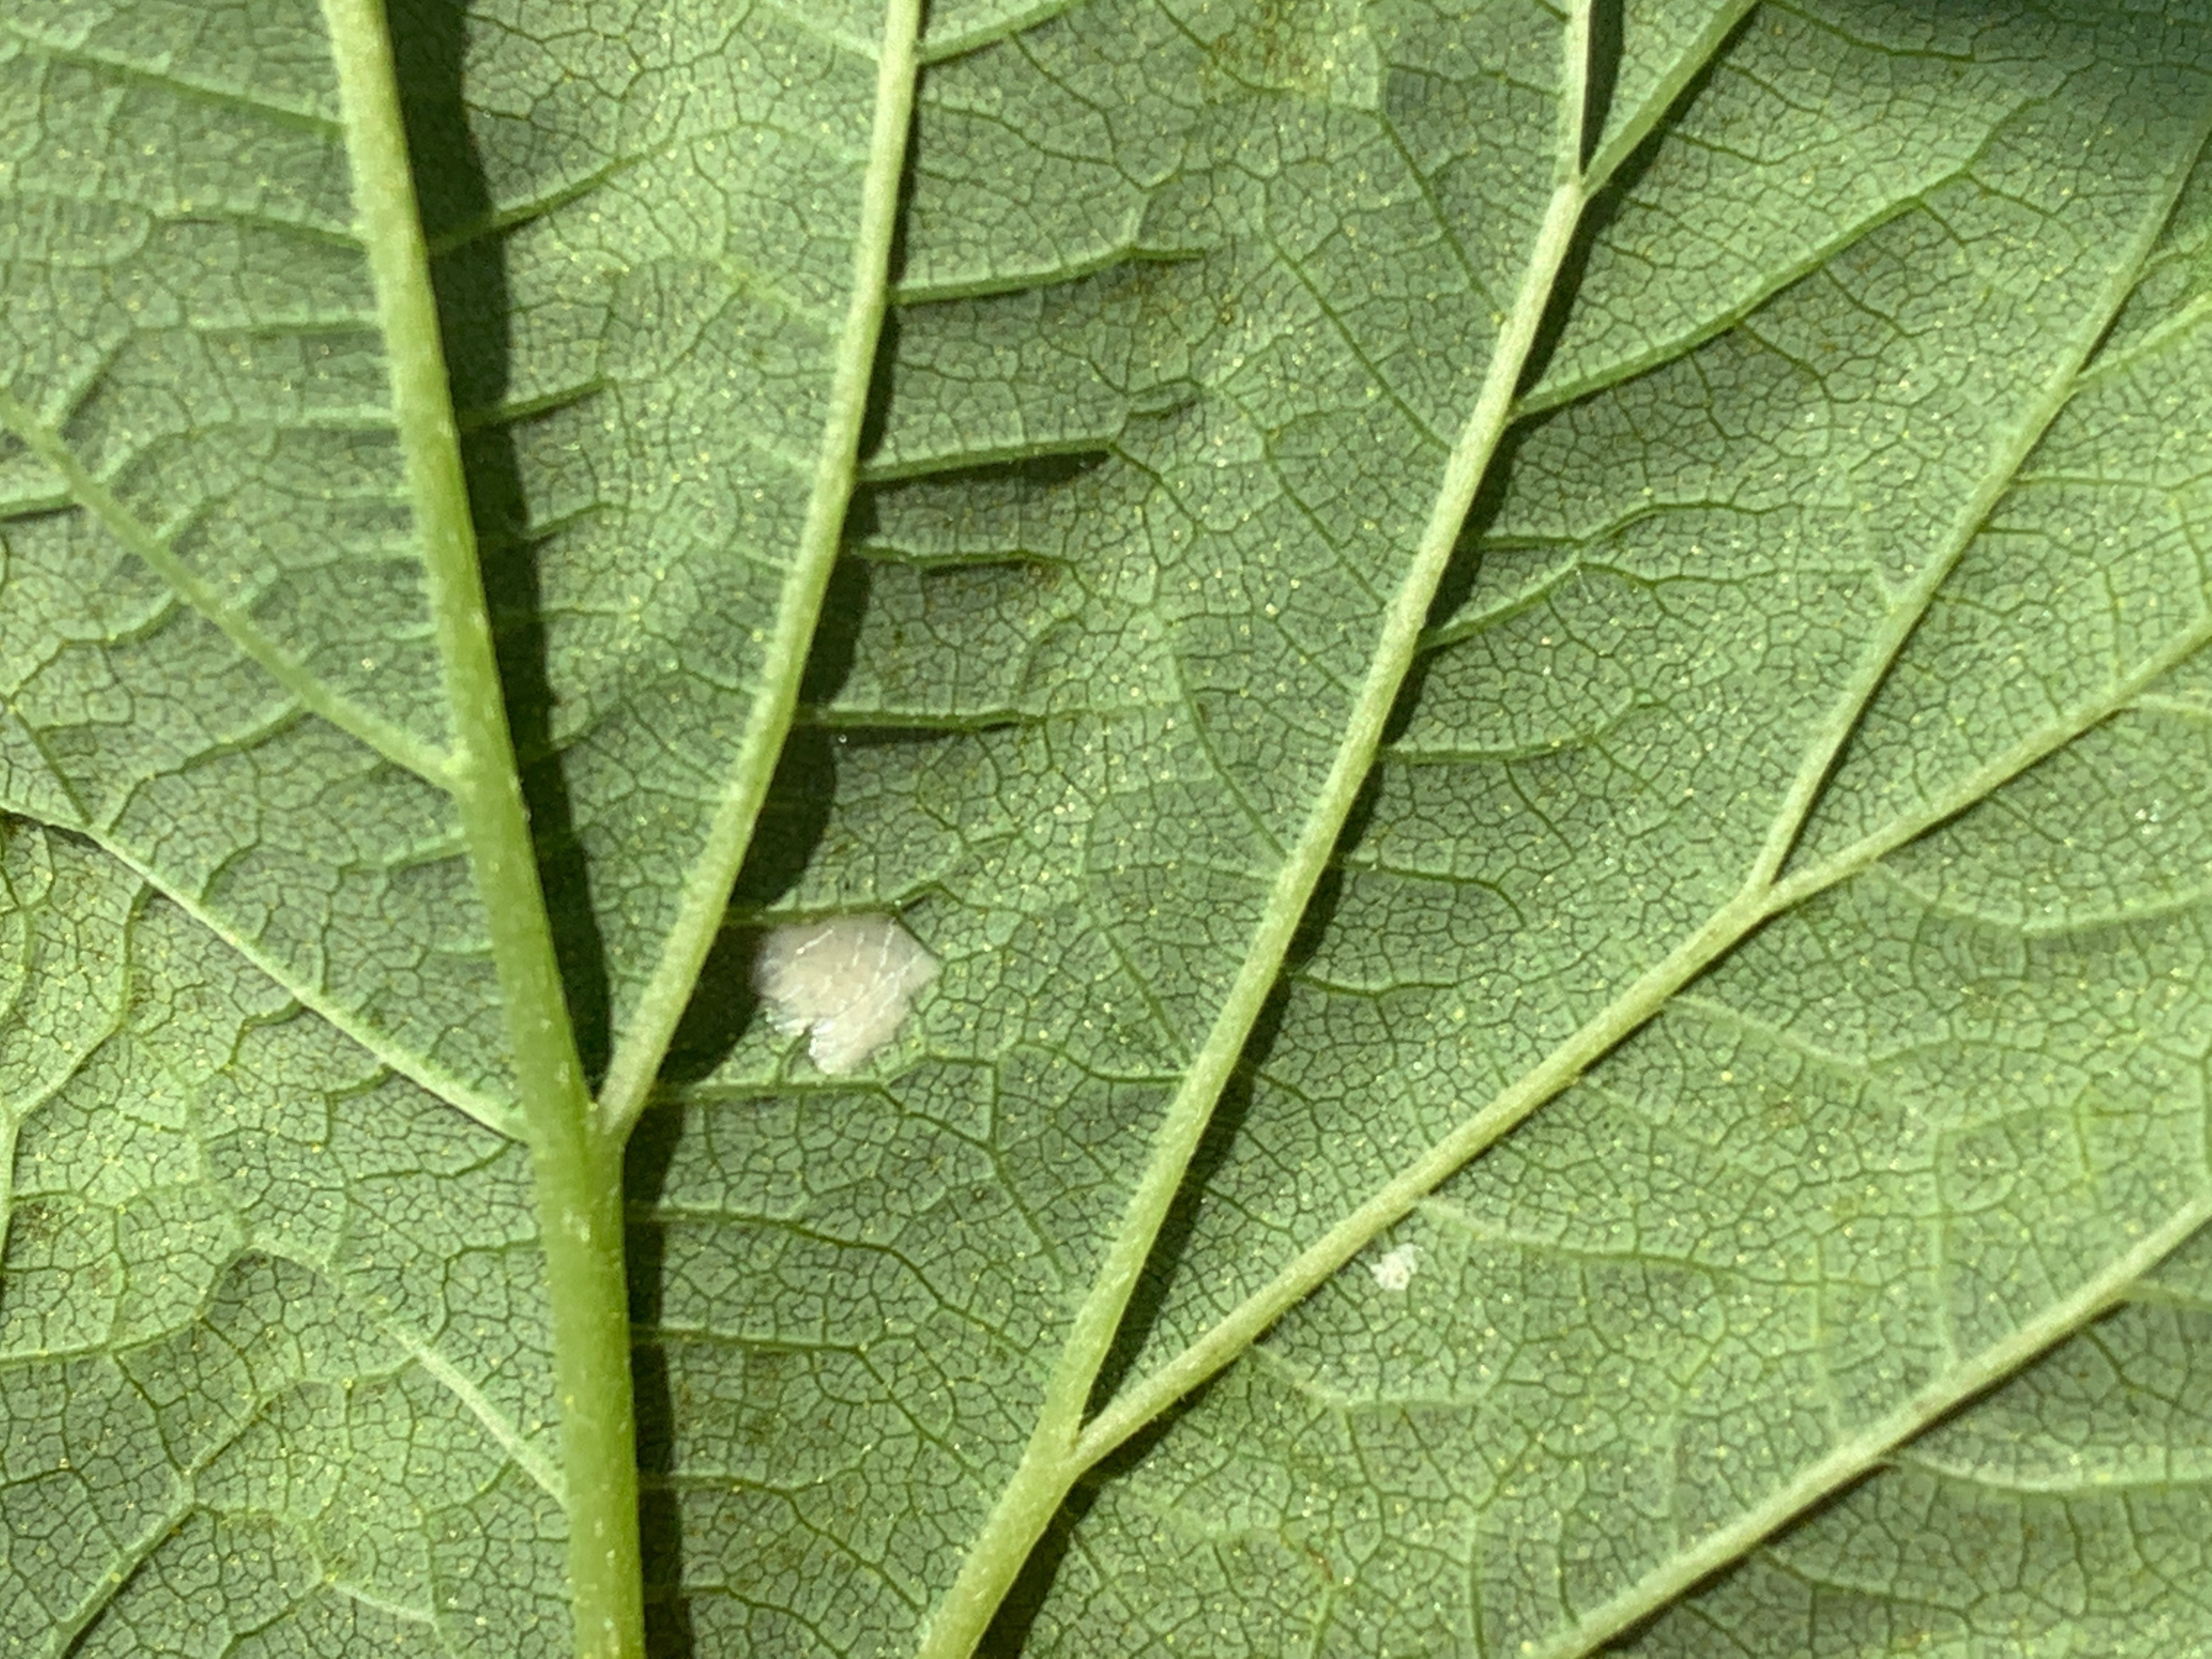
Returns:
point(1945, 1092)
point(1537, 675)
point(1733, 678)
point(218, 657)
point(644, 389)
point(273, 1353)
point(2064, 1512)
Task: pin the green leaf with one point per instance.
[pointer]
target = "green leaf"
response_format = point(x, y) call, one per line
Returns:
point(218, 645)
point(1537, 678)
point(2065, 1514)
point(274, 1350)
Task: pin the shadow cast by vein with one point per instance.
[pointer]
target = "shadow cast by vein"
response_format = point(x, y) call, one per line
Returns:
point(1008, 1634)
point(1172, 1242)
point(793, 820)
point(792, 823)
point(651, 1151)
point(1607, 28)
point(1608, 38)
point(475, 315)
point(475, 321)
point(723, 1003)
point(1164, 1264)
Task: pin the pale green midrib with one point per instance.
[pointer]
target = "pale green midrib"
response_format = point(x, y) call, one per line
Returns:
point(1617, 149)
point(1145, 1397)
point(2100, 1485)
point(1978, 785)
point(482, 773)
point(2165, 704)
point(1556, 394)
point(32, 506)
point(386, 737)
point(705, 892)
point(1052, 1458)
point(576, 1181)
point(1552, 395)
point(858, 717)
point(1761, 899)
point(900, 468)
point(1851, 1460)
point(2151, 1293)
point(491, 418)
point(794, 14)
point(498, 220)
point(399, 1611)
point(1014, 22)
point(997, 282)
point(1466, 626)
point(2113, 365)
point(1184, 1120)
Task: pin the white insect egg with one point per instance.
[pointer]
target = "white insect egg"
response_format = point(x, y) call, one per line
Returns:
point(847, 981)
point(1394, 1270)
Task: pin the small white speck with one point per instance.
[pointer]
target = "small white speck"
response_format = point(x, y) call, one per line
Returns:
point(1394, 1270)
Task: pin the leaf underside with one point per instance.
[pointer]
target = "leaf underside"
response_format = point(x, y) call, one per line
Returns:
point(1785, 864)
